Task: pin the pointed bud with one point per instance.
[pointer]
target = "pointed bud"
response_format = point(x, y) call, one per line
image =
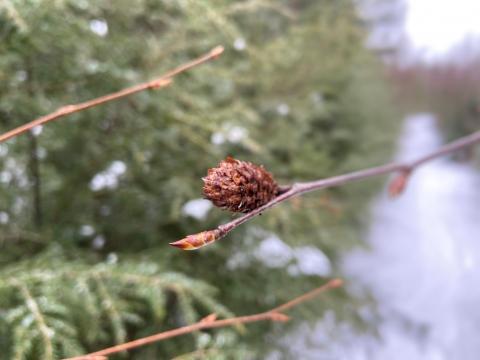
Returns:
point(335, 283)
point(398, 184)
point(239, 186)
point(209, 318)
point(216, 51)
point(278, 316)
point(196, 241)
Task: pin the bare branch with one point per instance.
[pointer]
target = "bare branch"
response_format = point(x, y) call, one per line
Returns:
point(195, 241)
point(210, 322)
point(157, 83)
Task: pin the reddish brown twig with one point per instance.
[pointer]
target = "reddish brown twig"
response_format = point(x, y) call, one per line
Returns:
point(192, 242)
point(157, 83)
point(275, 314)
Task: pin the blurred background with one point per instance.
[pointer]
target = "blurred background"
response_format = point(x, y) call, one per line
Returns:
point(310, 89)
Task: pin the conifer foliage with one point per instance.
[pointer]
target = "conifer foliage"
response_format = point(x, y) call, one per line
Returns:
point(63, 307)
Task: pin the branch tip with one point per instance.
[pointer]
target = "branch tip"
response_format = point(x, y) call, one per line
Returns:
point(216, 51)
point(279, 317)
point(182, 244)
point(196, 241)
point(335, 283)
point(209, 318)
point(398, 184)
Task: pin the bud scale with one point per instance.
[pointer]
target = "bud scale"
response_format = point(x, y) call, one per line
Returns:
point(239, 186)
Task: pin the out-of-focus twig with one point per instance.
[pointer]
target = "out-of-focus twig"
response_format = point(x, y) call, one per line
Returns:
point(396, 187)
point(157, 83)
point(275, 314)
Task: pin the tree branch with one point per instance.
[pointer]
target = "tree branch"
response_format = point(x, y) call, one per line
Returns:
point(157, 83)
point(195, 241)
point(210, 322)
point(45, 332)
point(36, 180)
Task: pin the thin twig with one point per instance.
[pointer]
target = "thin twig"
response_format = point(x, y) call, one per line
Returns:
point(195, 241)
point(210, 322)
point(157, 83)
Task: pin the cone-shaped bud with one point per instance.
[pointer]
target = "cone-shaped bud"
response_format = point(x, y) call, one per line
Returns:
point(239, 186)
point(398, 184)
point(278, 316)
point(196, 241)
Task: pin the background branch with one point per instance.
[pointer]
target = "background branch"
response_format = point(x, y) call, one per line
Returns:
point(275, 314)
point(396, 187)
point(36, 181)
point(43, 328)
point(157, 83)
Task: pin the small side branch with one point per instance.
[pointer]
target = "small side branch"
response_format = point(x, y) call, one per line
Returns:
point(157, 83)
point(45, 332)
point(210, 322)
point(396, 187)
point(36, 180)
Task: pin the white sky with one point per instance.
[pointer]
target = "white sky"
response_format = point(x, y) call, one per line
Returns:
point(436, 25)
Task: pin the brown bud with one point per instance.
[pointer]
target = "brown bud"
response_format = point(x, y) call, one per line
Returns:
point(239, 186)
point(398, 184)
point(196, 241)
point(209, 318)
point(278, 316)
